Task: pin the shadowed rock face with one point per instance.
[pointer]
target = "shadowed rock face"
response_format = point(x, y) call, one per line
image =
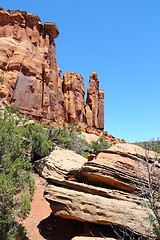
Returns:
point(31, 77)
point(56, 228)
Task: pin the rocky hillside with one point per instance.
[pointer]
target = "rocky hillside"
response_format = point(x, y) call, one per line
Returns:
point(30, 77)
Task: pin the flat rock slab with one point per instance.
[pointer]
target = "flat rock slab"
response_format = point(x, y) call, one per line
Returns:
point(121, 167)
point(59, 163)
point(100, 191)
point(73, 204)
point(134, 150)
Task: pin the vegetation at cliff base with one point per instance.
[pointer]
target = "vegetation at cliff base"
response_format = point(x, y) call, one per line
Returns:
point(21, 143)
point(100, 144)
point(20, 146)
point(71, 138)
point(17, 185)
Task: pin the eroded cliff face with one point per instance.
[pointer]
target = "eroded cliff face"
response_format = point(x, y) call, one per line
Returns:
point(30, 77)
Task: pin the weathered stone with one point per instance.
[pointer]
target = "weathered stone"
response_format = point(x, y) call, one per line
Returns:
point(135, 150)
point(101, 191)
point(32, 78)
point(59, 163)
point(95, 103)
point(73, 90)
point(73, 204)
point(101, 109)
point(28, 63)
point(120, 168)
point(52, 29)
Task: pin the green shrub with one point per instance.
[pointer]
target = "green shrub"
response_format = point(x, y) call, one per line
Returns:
point(17, 185)
point(100, 144)
point(69, 138)
point(153, 145)
point(37, 137)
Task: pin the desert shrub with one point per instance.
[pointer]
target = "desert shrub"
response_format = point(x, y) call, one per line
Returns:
point(153, 145)
point(69, 138)
point(39, 143)
point(14, 110)
point(100, 144)
point(17, 185)
point(156, 146)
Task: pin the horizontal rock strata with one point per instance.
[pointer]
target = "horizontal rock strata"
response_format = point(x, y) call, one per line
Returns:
point(102, 191)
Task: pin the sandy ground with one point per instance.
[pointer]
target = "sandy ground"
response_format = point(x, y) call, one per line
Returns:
point(40, 209)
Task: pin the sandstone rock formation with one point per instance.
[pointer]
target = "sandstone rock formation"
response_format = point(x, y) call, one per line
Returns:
point(103, 191)
point(95, 103)
point(30, 77)
point(59, 163)
point(73, 92)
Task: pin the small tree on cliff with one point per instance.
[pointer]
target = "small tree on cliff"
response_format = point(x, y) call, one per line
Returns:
point(150, 193)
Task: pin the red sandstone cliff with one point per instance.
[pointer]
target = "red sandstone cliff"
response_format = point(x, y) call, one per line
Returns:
point(30, 75)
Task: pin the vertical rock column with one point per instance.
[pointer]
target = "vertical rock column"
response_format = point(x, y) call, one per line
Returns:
point(101, 109)
point(94, 103)
point(51, 73)
point(73, 90)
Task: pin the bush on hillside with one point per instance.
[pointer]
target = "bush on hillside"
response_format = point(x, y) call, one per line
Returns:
point(100, 144)
point(69, 138)
point(37, 138)
point(153, 145)
point(17, 185)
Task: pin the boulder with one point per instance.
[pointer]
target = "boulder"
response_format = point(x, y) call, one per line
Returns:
point(123, 167)
point(59, 163)
point(88, 207)
point(103, 191)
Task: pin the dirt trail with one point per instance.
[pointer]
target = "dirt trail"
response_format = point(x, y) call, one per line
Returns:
point(40, 209)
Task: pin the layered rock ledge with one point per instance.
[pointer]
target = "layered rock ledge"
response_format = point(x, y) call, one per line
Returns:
point(105, 191)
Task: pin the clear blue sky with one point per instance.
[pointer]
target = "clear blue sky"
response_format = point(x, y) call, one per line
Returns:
point(120, 40)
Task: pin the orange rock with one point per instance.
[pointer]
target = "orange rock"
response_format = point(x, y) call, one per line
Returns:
point(104, 190)
point(32, 78)
point(73, 90)
point(95, 103)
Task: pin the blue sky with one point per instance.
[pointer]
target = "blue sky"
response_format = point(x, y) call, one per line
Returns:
point(120, 40)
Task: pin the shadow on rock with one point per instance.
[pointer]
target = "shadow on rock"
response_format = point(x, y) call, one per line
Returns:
point(56, 228)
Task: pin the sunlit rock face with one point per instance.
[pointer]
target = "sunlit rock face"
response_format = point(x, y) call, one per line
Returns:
point(105, 190)
point(95, 103)
point(30, 77)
